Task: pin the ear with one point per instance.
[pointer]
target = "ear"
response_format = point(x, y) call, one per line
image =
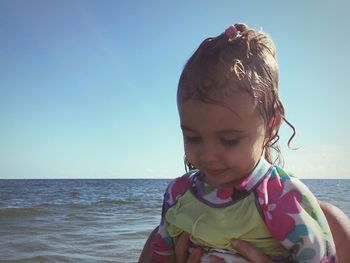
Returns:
point(276, 121)
point(274, 125)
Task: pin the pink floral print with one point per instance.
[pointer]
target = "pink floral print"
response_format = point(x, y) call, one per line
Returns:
point(277, 206)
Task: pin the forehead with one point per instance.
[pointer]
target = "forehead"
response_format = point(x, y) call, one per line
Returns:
point(237, 111)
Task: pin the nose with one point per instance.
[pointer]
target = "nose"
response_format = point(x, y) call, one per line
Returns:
point(209, 153)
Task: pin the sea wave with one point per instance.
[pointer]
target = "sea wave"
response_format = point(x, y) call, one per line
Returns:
point(56, 259)
point(87, 204)
point(52, 208)
point(18, 212)
point(117, 201)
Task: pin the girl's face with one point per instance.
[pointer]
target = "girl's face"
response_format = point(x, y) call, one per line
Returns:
point(224, 141)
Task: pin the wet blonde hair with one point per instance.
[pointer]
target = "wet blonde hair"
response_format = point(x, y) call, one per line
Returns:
point(247, 62)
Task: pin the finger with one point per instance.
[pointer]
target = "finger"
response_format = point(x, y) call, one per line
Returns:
point(181, 247)
point(215, 259)
point(195, 256)
point(250, 252)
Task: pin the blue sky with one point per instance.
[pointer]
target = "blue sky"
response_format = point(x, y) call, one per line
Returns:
point(87, 88)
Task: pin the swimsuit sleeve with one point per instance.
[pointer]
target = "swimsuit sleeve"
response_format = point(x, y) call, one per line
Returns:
point(293, 216)
point(163, 246)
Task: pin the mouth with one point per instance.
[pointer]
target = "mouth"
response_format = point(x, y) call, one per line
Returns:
point(216, 172)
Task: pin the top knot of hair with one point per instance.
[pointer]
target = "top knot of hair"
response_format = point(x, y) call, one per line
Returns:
point(234, 31)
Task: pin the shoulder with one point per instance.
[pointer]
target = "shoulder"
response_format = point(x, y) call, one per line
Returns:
point(285, 201)
point(179, 186)
point(281, 187)
point(279, 182)
point(278, 187)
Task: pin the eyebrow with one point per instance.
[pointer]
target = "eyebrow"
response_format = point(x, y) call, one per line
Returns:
point(184, 127)
point(225, 131)
point(230, 131)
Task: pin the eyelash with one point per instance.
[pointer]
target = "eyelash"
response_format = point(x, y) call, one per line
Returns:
point(228, 143)
point(189, 139)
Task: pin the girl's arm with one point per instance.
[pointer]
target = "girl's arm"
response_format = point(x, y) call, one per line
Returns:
point(163, 245)
point(293, 215)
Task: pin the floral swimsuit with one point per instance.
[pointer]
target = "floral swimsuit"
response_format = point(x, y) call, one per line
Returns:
point(270, 209)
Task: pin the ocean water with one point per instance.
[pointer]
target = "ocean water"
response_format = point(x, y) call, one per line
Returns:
point(95, 220)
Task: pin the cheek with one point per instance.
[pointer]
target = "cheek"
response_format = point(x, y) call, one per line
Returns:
point(238, 156)
point(260, 143)
point(190, 152)
point(242, 162)
point(245, 157)
point(256, 150)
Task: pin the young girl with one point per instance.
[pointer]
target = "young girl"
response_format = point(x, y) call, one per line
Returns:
point(230, 114)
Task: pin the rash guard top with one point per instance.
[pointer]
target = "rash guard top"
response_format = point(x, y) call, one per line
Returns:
point(270, 209)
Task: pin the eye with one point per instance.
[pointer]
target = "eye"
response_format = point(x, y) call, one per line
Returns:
point(231, 142)
point(192, 139)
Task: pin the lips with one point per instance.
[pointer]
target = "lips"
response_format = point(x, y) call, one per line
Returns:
point(215, 172)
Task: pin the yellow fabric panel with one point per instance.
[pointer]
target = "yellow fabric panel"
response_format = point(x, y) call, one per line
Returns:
point(215, 227)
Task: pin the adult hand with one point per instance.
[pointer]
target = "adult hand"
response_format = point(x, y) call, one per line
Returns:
point(338, 222)
point(248, 251)
point(181, 250)
point(183, 256)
